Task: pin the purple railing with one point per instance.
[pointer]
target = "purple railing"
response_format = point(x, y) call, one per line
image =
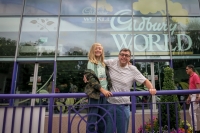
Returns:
point(73, 112)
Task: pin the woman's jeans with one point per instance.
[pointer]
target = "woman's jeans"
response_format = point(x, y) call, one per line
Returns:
point(96, 121)
point(118, 118)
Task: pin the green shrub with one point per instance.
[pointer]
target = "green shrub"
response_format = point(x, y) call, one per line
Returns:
point(168, 84)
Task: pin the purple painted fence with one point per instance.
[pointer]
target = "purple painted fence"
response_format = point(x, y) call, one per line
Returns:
point(72, 112)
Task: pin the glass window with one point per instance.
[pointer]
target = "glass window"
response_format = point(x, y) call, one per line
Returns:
point(25, 81)
point(145, 69)
point(114, 33)
point(78, 7)
point(6, 70)
point(42, 7)
point(180, 74)
point(70, 73)
point(25, 73)
point(9, 30)
point(11, 7)
point(70, 80)
point(148, 36)
point(181, 78)
point(184, 7)
point(186, 38)
point(76, 35)
point(151, 37)
point(114, 7)
point(38, 36)
point(149, 7)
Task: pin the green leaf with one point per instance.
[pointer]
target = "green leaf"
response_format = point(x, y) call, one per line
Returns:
point(69, 101)
point(59, 104)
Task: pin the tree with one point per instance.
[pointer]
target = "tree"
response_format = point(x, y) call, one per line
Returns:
point(7, 47)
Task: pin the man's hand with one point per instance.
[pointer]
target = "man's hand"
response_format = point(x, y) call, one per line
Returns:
point(152, 91)
point(106, 93)
point(188, 100)
point(148, 84)
point(197, 100)
point(85, 79)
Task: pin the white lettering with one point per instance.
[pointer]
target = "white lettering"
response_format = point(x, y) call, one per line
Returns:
point(88, 11)
point(124, 25)
point(92, 11)
point(140, 27)
point(123, 38)
point(145, 25)
point(172, 28)
point(187, 40)
point(151, 42)
point(166, 42)
point(156, 42)
point(99, 19)
point(145, 44)
point(88, 19)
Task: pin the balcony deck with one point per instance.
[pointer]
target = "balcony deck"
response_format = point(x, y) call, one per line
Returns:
point(34, 119)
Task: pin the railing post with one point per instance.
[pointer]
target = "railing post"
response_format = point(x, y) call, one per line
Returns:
point(52, 100)
point(13, 84)
point(133, 110)
point(50, 115)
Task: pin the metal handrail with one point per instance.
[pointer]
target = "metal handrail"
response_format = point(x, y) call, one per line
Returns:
point(77, 95)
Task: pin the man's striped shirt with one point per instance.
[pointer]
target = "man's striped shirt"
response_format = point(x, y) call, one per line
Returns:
point(122, 79)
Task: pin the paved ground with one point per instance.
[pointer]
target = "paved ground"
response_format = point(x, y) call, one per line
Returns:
point(78, 123)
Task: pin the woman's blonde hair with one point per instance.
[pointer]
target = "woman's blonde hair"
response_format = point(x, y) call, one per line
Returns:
point(91, 54)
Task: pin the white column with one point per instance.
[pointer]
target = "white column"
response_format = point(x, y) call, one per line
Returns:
point(34, 89)
point(153, 83)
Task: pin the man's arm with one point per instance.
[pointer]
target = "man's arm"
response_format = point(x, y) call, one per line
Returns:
point(197, 83)
point(148, 84)
point(198, 87)
point(109, 61)
point(197, 95)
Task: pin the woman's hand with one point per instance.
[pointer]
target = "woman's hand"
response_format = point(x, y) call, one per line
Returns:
point(106, 93)
point(188, 100)
point(85, 79)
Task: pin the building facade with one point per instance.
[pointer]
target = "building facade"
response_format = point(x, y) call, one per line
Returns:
point(44, 43)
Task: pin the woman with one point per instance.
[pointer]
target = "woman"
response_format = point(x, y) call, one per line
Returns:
point(96, 79)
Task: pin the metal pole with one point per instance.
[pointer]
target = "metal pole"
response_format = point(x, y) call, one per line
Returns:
point(15, 68)
point(169, 36)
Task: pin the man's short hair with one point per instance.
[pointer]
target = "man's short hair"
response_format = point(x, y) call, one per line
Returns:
point(191, 67)
point(125, 49)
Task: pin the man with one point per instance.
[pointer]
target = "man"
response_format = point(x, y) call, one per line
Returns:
point(194, 83)
point(122, 77)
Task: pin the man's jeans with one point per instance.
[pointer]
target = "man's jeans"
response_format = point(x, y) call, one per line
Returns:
point(118, 118)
